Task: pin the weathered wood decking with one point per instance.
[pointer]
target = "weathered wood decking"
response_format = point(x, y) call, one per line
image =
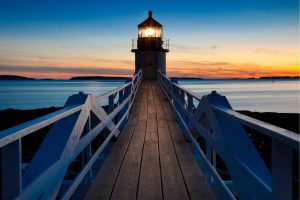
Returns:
point(150, 159)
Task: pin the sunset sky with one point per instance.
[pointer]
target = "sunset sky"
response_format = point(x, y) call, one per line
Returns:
point(208, 38)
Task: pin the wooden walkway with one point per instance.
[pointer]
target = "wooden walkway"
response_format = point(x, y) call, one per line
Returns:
point(150, 159)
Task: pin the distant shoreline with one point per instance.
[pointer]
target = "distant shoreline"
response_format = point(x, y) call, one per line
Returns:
point(260, 78)
point(86, 78)
point(77, 78)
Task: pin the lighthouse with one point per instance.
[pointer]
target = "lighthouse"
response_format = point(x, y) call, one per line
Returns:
point(150, 48)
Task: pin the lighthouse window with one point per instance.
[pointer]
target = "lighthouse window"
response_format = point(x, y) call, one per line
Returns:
point(150, 32)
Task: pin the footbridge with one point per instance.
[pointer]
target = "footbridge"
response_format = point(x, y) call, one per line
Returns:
point(148, 139)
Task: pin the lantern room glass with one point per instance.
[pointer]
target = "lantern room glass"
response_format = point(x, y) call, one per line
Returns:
point(150, 32)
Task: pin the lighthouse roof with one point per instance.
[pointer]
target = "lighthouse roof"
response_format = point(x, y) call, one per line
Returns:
point(150, 22)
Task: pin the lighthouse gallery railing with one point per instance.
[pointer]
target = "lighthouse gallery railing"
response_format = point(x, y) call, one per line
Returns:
point(219, 135)
point(71, 135)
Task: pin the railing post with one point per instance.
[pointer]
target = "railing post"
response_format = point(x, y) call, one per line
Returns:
point(281, 171)
point(182, 100)
point(88, 151)
point(11, 171)
point(208, 153)
point(111, 103)
point(40, 173)
point(127, 92)
point(190, 105)
point(174, 92)
point(214, 158)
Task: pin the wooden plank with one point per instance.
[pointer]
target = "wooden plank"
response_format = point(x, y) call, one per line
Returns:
point(127, 182)
point(172, 180)
point(152, 125)
point(134, 113)
point(105, 180)
point(150, 178)
point(168, 111)
point(151, 105)
point(151, 110)
point(144, 106)
point(195, 181)
point(157, 102)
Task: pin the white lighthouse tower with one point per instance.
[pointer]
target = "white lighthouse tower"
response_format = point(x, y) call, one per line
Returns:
point(150, 48)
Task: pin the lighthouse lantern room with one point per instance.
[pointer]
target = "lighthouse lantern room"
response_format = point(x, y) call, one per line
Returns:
point(150, 48)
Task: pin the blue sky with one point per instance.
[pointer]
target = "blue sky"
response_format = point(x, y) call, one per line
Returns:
point(54, 33)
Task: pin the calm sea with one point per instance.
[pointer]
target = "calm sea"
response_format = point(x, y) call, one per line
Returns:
point(41, 93)
point(254, 95)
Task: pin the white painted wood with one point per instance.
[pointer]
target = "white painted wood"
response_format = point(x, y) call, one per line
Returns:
point(12, 134)
point(101, 114)
point(109, 93)
point(80, 177)
point(280, 134)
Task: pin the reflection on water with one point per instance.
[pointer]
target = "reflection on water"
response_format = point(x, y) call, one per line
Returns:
point(254, 95)
point(40, 94)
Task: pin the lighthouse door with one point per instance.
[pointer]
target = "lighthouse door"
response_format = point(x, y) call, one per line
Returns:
point(150, 67)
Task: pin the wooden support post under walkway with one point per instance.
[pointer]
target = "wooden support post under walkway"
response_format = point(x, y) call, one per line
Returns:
point(151, 159)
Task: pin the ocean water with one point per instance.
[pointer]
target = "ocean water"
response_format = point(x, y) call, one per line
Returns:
point(254, 95)
point(42, 93)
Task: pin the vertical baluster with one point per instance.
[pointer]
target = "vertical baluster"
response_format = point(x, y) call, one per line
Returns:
point(183, 103)
point(126, 94)
point(281, 171)
point(208, 154)
point(111, 103)
point(89, 147)
point(190, 110)
point(182, 100)
point(174, 93)
point(132, 91)
point(11, 170)
point(190, 105)
point(214, 158)
point(121, 95)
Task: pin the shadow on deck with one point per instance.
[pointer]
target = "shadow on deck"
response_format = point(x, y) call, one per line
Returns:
point(151, 159)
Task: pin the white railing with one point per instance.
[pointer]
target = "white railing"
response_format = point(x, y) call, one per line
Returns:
point(73, 130)
point(220, 136)
point(165, 43)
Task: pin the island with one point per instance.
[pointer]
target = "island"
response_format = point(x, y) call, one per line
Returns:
point(85, 78)
point(14, 77)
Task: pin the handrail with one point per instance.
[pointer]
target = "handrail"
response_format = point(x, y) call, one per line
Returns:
point(165, 43)
point(12, 134)
point(285, 136)
point(223, 139)
point(73, 129)
point(114, 91)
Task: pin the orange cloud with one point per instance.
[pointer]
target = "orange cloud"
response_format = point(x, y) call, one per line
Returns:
point(229, 70)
